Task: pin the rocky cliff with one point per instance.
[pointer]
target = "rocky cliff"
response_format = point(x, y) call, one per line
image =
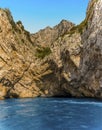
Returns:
point(47, 36)
point(61, 61)
point(91, 60)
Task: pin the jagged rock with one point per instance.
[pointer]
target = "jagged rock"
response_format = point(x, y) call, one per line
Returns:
point(47, 36)
point(16, 59)
point(29, 69)
point(61, 61)
point(91, 61)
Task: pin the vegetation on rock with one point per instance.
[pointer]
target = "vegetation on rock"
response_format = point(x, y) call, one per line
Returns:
point(84, 24)
point(42, 52)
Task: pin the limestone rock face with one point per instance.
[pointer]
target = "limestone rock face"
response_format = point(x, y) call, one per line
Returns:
point(91, 61)
point(60, 67)
point(16, 59)
point(29, 68)
point(48, 35)
point(61, 61)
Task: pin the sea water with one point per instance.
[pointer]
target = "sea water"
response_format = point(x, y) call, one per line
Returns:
point(50, 114)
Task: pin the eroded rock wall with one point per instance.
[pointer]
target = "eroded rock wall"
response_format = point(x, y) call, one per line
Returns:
point(65, 60)
point(91, 61)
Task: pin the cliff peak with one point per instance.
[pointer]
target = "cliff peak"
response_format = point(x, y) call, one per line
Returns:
point(6, 20)
point(63, 21)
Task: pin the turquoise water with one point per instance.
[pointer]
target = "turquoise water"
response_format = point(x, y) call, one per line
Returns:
point(50, 114)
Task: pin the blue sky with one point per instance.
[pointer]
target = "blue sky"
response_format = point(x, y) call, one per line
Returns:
point(37, 14)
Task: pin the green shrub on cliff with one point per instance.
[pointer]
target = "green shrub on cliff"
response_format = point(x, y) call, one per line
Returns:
point(42, 52)
point(78, 28)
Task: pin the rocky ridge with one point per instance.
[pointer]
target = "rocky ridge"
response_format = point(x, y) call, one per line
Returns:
point(61, 61)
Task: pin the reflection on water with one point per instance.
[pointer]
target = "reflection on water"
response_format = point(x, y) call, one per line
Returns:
point(50, 114)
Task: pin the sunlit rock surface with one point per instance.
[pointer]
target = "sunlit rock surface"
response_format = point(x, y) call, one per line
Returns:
point(61, 61)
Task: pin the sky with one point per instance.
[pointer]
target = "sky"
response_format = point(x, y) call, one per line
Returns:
point(37, 14)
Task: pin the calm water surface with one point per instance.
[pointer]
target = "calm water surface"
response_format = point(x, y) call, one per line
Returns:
point(50, 114)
